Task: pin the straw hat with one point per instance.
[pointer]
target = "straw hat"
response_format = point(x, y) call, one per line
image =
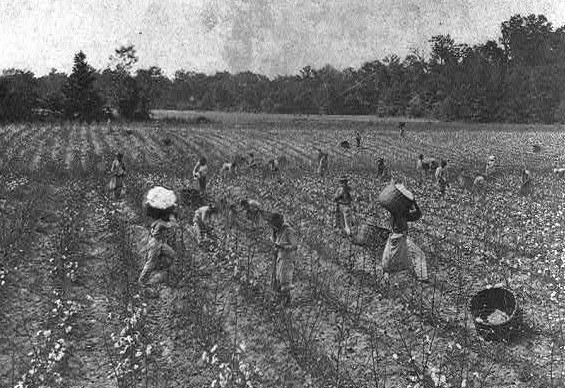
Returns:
point(161, 198)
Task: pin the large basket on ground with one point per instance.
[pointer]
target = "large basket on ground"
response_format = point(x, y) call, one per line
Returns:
point(496, 313)
point(371, 235)
point(395, 198)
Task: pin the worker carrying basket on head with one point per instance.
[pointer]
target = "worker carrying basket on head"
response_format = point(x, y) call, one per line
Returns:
point(401, 252)
point(165, 238)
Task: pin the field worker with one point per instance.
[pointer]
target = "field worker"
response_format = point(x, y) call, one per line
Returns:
point(526, 182)
point(489, 169)
point(252, 209)
point(251, 160)
point(322, 163)
point(559, 172)
point(401, 126)
point(201, 221)
point(420, 169)
point(284, 239)
point(441, 178)
point(165, 236)
point(118, 171)
point(200, 173)
point(380, 167)
point(400, 251)
point(343, 200)
point(358, 139)
point(229, 168)
point(479, 187)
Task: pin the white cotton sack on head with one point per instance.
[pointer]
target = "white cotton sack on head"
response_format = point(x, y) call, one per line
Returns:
point(161, 198)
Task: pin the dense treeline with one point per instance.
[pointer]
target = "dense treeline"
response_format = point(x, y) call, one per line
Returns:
point(520, 78)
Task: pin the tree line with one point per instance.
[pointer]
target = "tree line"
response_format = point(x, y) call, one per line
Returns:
point(518, 78)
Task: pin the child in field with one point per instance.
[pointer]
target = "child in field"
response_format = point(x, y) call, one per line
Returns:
point(165, 238)
point(118, 171)
point(526, 182)
point(229, 169)
point(200, 173)
point(343, 200)
point(285, 242)
point(491, 162)
point(420, 169)
point(358, 139)
point(201, 219)
point(400, 251)
point(441, 178)
point(252, 209)
point(479, 187)
point(322, 163)
point(383, 171)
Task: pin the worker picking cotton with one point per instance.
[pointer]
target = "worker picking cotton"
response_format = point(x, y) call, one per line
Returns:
point(526, 187)
point(442, 178)
point(490, 165)
point(285, 243)
point(343, 200)
point(322, 159)
point(200, 173)
point(401, 252)
point(252, 209)
point(229, 168)
point(201, 221)
point(118, 171)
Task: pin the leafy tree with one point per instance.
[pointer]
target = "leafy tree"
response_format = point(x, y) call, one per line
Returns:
point(18, 95)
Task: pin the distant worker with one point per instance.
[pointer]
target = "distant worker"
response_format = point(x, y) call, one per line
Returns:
point(401, 127)
point(490, 165)
point(343, 200)
point(229, 169)
point(285, 243)
point(441, 178)
point(118, 171)
point(559, 172)
point(201, 221)
point(479, 187)
point(383, 171)
point(526, 182)
point(200, 173)
point(252, 208)
point(322, 168)
point(420, 169)
point(358, 139)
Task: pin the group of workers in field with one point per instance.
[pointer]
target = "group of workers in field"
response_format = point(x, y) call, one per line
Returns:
point(400, 251)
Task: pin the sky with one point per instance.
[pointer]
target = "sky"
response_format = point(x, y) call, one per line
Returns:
point(271, 37)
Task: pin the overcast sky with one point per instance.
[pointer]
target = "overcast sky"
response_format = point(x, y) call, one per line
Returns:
point(267, 36)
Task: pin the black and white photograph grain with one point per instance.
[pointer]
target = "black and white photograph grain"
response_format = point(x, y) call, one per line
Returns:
point(282, 194)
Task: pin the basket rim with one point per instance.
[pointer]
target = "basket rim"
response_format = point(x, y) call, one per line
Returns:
point(510, 316)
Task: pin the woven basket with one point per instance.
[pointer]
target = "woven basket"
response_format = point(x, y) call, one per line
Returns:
point(485, 302)
point(395, 198)
point(371, 236)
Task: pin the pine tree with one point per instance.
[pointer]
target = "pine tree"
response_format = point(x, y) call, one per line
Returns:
point(82, 101)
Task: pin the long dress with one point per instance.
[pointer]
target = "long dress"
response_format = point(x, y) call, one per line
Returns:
point(160, 252)
point(287, 245)
point(401, 252)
